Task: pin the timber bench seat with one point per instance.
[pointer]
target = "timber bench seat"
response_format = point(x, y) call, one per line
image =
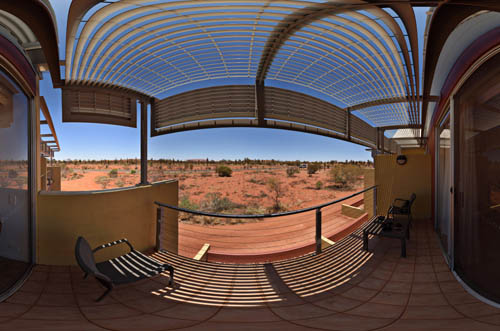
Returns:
point(389, 228)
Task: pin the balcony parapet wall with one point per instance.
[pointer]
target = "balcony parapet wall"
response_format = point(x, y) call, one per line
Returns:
point(101, 217)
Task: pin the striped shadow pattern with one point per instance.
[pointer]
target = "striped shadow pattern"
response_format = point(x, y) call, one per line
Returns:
point(127, 268)
point(263, 284)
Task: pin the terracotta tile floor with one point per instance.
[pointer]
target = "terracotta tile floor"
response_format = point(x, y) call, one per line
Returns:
point(344, 288)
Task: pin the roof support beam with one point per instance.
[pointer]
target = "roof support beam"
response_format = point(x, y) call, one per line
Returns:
point(389, 101)
point(144, 143)
point(260, 103)
point(377, 103)
point(348, 124)
point(397, 127)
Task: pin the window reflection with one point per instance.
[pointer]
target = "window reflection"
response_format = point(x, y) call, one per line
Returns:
point(15, 255)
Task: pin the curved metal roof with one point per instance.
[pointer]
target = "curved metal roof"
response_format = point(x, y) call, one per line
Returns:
point(351, 51)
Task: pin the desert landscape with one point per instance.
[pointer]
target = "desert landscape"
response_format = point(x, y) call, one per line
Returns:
point(248, 187)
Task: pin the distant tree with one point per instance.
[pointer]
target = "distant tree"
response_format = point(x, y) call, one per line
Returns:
point(345, 175)
point(312, 168)
point(277, 191)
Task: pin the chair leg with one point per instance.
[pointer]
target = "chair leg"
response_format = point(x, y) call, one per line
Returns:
point(104, 294)
point(86, 275)
point(171, 270)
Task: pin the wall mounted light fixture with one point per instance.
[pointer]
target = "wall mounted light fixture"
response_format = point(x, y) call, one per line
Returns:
point(401, 159)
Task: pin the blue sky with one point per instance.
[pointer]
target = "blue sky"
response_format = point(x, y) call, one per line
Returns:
point(100, 141)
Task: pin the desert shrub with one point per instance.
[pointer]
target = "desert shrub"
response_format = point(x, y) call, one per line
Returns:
point(223, 171)
point(182, 187)
point(113, 173)
point(187, 204)
point(119, 183)
point(319, 185)
point(254, 210)
point(254, 180)
point(291, 171)
point(345, 175)
point(133, 172)
point(277, 192)
point(206, 174)
point(215, 203)
point(312, 168)
point(103, 181)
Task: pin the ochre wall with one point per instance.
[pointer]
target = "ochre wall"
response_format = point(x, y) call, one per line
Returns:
point(396, 181)
point(368, 198)
point(101, 217)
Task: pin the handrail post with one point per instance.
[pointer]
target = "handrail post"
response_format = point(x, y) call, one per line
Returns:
point(375, 201)
point(318, 231)
point(159, 214)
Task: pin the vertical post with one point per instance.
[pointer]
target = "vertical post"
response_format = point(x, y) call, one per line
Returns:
point(144, 143)
point(348, 124)
point(159, 214)
point(375, 201)
point(259, 103)
point(318, 231)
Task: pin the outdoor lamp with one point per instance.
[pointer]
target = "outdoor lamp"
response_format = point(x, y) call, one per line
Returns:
point(401, 159)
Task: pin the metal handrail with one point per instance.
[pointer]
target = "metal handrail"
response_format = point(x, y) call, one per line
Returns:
point(299, 211)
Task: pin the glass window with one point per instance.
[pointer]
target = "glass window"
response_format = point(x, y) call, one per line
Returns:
point(443, 184)
point(477, 165)
point(15, 202)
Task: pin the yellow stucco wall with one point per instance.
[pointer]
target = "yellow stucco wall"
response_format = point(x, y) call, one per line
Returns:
point(395, 181)
point(101, 217)
point(368, 198)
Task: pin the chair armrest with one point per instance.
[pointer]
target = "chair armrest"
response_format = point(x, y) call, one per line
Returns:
point(113, 243)
point(404, 202)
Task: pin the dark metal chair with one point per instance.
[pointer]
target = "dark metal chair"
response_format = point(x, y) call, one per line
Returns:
point(124, 269)
point(402, 207)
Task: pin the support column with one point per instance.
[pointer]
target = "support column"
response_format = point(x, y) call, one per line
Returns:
point(348, 124)
point(259, 103)
point(144, 143)
point(318, 231)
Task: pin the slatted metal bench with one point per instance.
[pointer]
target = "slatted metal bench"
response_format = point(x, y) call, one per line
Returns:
point(399, 230)
point(124, 269)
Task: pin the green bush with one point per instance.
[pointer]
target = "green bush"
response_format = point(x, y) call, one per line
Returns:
point(312, 168)
point(224, 171)
point(319, 185)
point(215, 203)
point(113, 173)
point(133, 172)
point(345, 175)
point(291, 171)
point(187, 204)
